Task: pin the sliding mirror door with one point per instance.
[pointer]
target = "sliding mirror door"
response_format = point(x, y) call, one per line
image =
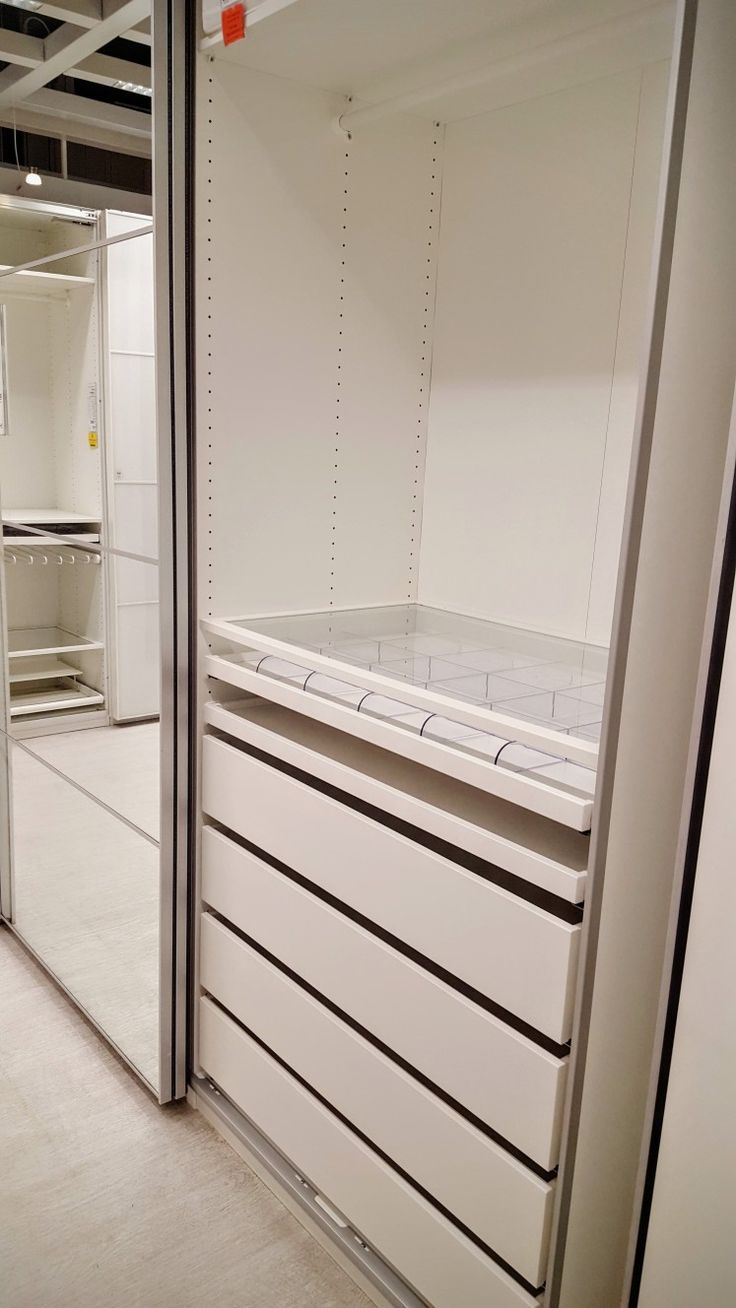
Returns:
point(82, 737)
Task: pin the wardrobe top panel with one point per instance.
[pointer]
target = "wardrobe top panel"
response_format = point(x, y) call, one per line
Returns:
point(384, 50)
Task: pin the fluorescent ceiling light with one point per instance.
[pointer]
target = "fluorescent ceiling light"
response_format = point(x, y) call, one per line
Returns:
point(133, 86)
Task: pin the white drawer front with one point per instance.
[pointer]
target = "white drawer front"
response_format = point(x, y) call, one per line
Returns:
point(500, 1076)
point(440, 1262)
point(492, 1194)
point(518, 955)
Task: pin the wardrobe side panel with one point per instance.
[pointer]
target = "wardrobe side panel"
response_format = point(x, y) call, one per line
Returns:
point(312, 289)
point(683, 494)
point(630, 346)
point(690, 1254)
point(535, 207)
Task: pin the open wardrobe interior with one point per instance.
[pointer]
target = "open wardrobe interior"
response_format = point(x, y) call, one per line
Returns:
point(367, 466)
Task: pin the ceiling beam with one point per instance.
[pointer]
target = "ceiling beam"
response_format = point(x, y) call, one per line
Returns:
point(108, 71)
point(68, 46)
point(82, 131)
point(85, 13)
point(17, 48)
point(75, 109)
point(141, 33)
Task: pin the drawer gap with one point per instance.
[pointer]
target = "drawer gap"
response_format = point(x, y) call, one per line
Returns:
point(566, 911)
point(543, 1173)
point(467, 1232)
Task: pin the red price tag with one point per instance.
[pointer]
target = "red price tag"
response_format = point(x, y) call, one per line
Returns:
point(232, 18)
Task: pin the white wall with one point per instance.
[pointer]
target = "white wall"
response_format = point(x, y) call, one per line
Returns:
point(534, 369)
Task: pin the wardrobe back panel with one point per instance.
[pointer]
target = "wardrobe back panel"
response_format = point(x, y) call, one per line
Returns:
point(536, 203)
point(316, 282)
point(28, 474)
point(32, 594)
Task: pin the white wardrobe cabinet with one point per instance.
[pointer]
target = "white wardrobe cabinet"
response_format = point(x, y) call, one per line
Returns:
point(425, 240)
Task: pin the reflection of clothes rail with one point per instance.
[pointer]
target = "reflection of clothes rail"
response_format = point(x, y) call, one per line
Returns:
point(31, 554)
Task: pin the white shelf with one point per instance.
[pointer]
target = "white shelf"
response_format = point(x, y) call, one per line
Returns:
point(37, 283)
point(56, 521)
point(43, 516)
point(29, 642)
point(69, 695)
point(41, 668)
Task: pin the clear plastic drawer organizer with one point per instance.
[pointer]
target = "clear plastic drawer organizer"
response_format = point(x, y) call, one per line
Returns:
point(518, 700)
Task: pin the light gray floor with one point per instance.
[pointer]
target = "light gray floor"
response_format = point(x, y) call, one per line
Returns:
point(108, 1200)
point(119, 765)
point(86, 886)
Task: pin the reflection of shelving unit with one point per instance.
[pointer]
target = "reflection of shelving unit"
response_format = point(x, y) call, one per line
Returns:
point(29, 641)
point(53, 574)
point(40, 283)
point(53, 508)
point(50, 574)
point(59, 695)
point(57, 522)
point(43, 668)
point(40, 681)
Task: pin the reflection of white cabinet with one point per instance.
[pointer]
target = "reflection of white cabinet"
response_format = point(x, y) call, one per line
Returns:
point(130, 411)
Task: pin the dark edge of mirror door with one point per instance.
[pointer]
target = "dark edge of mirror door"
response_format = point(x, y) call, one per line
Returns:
point(174, 28)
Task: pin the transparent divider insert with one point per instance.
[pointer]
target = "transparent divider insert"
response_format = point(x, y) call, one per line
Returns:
point(507, 677)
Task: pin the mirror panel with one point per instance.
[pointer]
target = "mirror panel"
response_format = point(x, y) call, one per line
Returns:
point(86, 882)
point(79, 492)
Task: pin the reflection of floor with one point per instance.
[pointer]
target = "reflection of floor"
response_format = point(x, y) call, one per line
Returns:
point(85, 884)
point(119, 765)
point(108, 1199)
